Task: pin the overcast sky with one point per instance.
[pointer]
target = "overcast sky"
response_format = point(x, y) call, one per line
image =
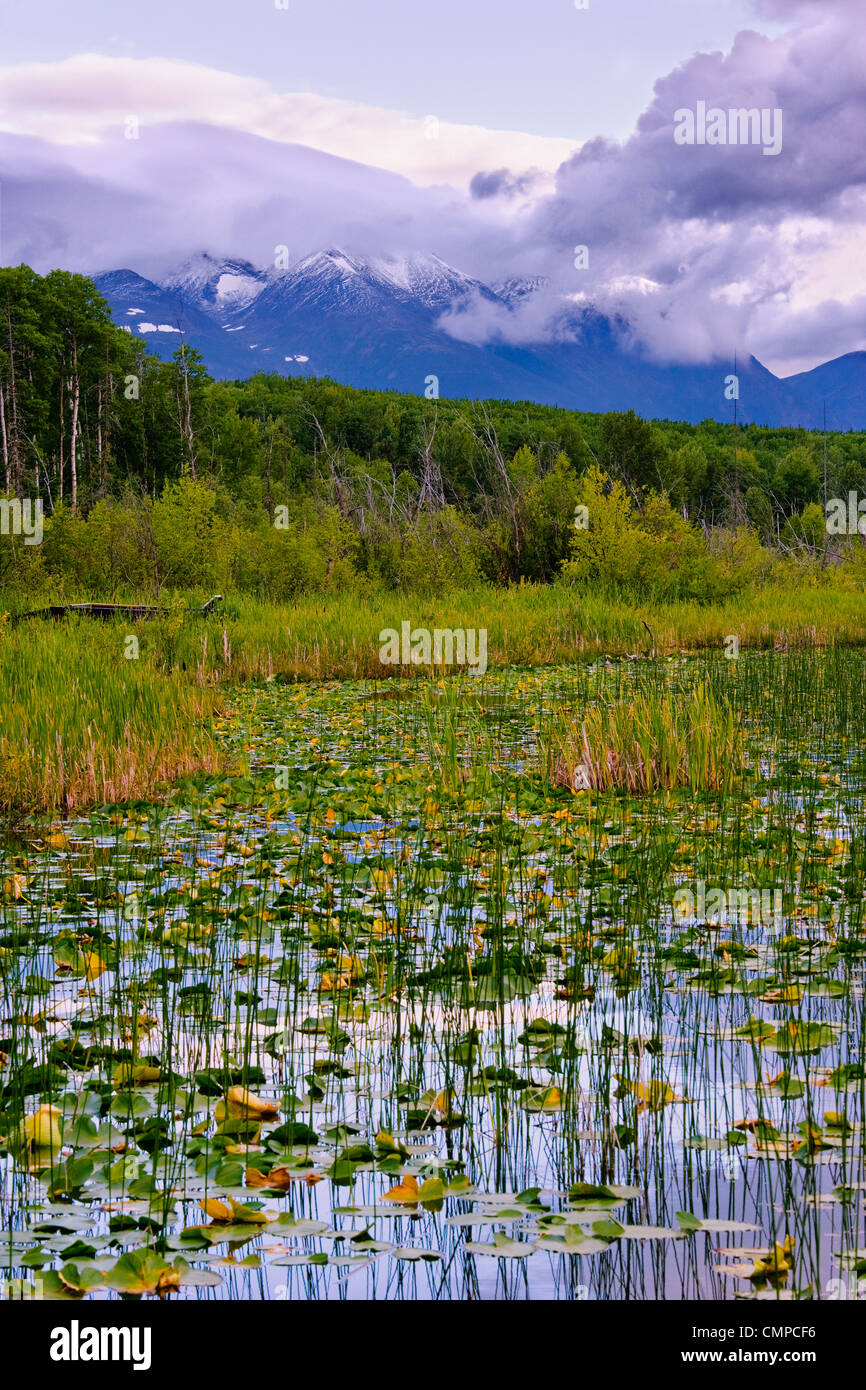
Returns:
point(539, 66)
point(314, 125)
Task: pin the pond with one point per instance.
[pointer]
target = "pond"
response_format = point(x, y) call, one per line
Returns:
point(388, 1015)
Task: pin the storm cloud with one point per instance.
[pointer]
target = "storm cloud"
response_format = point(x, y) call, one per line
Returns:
point(702, 248)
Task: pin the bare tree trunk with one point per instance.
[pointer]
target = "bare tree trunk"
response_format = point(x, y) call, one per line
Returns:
point(190, 441)
point(16, 458)
point(73, 445)
point(61, 469)
point(487, 438)
point(340, 489)
point(268, 457)
point(432, 490)
point(99, 455)
point(5, 441)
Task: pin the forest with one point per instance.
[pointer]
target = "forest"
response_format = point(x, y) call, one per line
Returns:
point(152, 476)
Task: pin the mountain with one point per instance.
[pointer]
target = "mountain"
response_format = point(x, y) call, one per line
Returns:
point(205, 283)
point(382, 323)
point(840, 384)
point(518, 288)
point(146, 308)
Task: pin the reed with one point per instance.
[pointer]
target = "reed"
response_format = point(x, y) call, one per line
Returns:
point(82, 725)
point(654, 740)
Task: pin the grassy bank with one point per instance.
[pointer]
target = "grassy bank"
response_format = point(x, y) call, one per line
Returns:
point(86, 723)
point(83, 725)
point(337, 638)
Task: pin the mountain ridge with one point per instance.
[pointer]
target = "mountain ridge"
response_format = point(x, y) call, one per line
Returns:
point(376, 322)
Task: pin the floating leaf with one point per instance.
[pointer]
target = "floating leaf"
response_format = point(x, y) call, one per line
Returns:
point(406, 1191)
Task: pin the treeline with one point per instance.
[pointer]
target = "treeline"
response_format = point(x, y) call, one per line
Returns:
point(153, 475)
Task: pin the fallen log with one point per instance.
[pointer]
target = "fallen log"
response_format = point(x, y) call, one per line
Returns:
point(136, 612)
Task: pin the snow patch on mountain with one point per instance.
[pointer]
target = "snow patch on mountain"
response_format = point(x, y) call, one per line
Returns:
point(238, 288)
point(519, 288)
point(209, 282)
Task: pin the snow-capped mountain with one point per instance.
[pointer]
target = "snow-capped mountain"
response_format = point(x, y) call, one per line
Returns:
point(519, 288)
point(330, 277)
point(331, 313)
point(429, 280)
point(207, 283)
point(382, 322)
point(146, 308)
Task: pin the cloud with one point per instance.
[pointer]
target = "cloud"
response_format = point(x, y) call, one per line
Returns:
point(89, 98)
point(501, 183)
point(148, 203)
point(694, 250)
point(737, 247)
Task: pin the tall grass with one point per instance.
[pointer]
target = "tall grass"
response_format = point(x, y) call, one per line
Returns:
point(83, 725)
point(336, 636)
point(653, 740)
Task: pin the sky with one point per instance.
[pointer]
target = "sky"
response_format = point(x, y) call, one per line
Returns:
point(539, 66)
point(499, 134)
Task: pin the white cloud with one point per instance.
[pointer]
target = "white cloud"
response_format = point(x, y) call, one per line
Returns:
point(90, 97)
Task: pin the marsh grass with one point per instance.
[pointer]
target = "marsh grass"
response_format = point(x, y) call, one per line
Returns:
point(83, 726)
point(336, 636)
point(651, 741)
